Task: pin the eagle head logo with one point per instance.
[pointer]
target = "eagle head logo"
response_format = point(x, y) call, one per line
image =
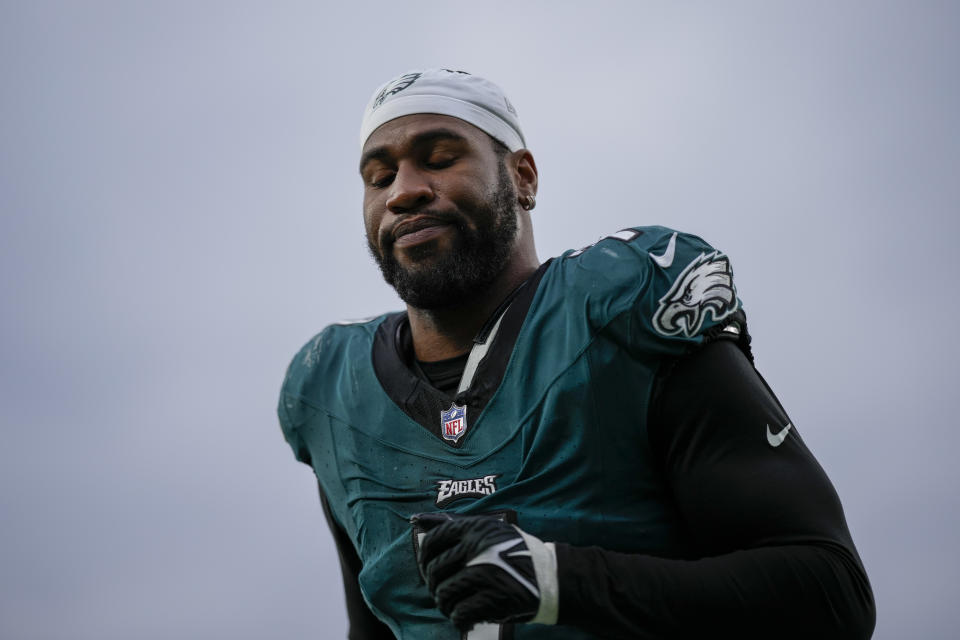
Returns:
point(706, 284)
point(394, 87)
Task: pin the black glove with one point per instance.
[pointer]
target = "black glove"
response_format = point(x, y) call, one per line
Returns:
point(482, 569)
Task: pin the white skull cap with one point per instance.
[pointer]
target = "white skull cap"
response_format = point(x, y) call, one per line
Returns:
point(449, 93)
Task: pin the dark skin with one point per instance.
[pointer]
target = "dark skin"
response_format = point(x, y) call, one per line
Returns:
point(419, 164)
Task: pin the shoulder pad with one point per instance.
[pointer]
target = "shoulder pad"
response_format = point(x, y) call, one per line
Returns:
point(676, 285)
point(322, 359)
point(317, 371)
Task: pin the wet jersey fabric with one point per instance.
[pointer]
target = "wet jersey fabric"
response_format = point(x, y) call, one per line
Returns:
point(552, 431)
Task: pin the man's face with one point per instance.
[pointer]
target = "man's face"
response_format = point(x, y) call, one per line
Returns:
point(439, 208)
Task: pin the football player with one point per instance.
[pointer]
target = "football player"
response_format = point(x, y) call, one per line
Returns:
point(578, 448)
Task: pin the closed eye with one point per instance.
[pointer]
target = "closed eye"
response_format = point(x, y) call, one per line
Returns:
point(442, 163)
point(379, 182)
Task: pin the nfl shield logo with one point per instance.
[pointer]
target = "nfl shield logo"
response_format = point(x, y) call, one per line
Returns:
point(453, 422)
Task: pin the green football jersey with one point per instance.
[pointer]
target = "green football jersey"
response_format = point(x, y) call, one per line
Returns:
point(552, 430)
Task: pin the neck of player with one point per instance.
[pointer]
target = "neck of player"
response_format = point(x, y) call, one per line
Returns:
point(439, 334)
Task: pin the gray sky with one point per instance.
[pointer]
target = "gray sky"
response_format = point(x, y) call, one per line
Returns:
point(181, 211)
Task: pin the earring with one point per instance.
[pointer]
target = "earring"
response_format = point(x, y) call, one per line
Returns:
point(528, 202)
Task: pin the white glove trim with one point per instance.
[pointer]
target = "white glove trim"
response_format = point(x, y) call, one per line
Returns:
point(544, 556)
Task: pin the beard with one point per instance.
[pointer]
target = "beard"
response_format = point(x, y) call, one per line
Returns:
point(477, 257)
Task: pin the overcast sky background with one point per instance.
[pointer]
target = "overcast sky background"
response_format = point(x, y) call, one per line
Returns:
point(181, 212)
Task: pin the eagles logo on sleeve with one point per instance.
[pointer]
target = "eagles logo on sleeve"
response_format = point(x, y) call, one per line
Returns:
point(705, 285)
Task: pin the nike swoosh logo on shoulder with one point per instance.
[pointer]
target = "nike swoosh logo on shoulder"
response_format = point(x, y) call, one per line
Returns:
point(776, 439)
point(666, 259)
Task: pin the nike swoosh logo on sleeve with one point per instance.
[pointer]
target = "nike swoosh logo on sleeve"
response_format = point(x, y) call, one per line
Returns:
point(666, 259)
point(776, 439)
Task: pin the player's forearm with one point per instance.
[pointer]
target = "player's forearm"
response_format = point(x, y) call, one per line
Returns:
point(791, 591)
point(776, 557)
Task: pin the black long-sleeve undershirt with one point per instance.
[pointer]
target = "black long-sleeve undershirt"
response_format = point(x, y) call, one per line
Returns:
point(775, 557)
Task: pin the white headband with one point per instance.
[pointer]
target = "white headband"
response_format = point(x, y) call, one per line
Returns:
point(445, 92)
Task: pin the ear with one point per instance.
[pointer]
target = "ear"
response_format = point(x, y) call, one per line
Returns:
point(525, 172)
